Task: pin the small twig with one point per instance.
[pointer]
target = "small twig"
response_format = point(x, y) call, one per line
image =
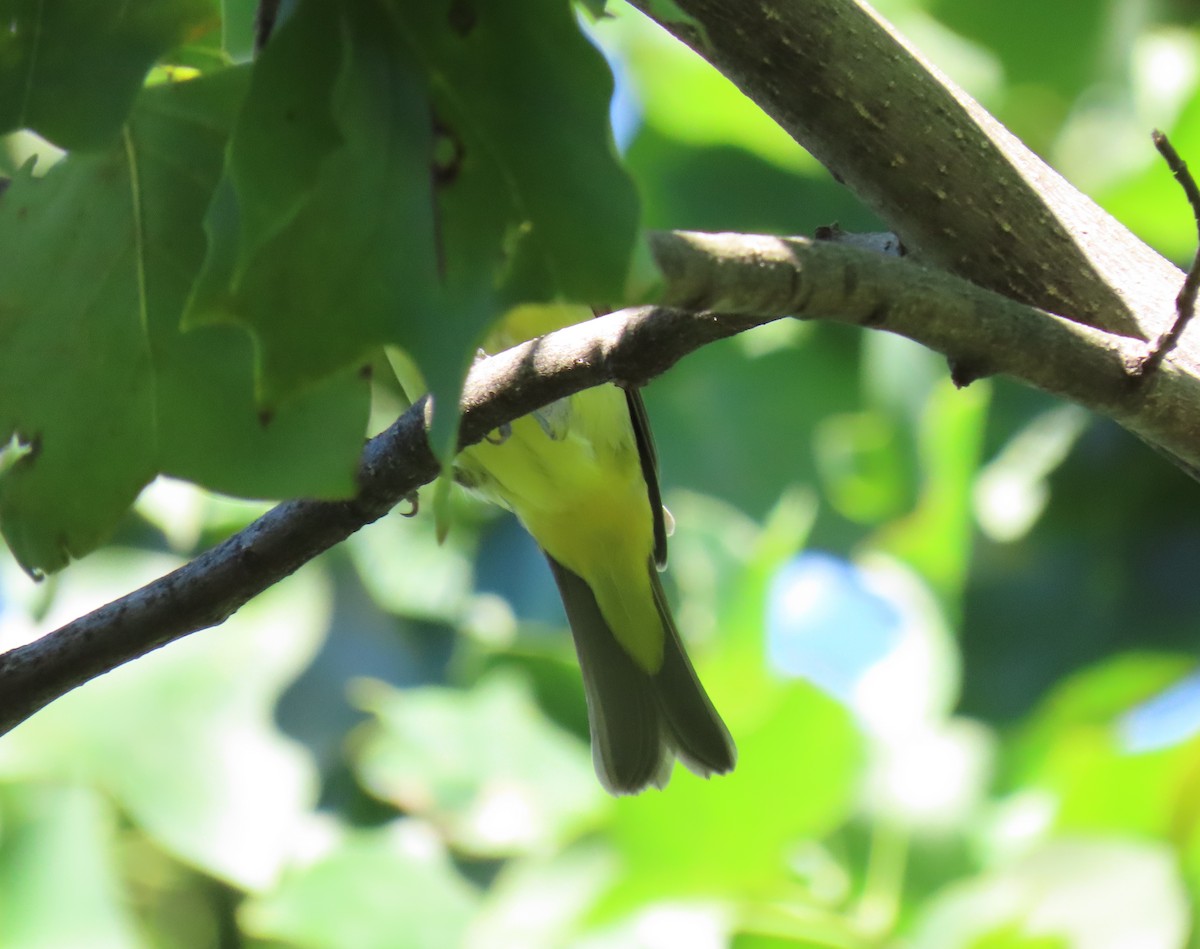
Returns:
point(1185, 302)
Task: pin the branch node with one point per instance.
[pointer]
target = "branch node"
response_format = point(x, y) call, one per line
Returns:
point(964, 371)
point(882, 242)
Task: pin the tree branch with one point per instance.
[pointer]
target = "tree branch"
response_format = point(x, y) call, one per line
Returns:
point(980, 332)
point(958, 188)
point(754, 279)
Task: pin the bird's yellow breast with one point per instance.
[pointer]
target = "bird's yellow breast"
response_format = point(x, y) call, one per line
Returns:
point(573, 476)
point(571, 472)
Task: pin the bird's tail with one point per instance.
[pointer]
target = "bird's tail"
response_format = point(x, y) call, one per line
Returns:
point(641, 721)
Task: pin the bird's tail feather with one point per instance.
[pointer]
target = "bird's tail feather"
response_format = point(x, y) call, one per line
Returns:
point(641, 721)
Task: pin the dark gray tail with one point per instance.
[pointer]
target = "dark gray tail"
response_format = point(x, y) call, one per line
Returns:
point(640, 721)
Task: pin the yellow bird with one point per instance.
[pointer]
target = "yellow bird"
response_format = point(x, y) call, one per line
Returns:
point(581, 475)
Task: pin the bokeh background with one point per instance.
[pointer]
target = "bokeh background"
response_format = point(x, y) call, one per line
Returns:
point(955, 633)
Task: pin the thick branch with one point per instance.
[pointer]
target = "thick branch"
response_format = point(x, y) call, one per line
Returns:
point(957, 187)
point(760, 278)
point(980, 332)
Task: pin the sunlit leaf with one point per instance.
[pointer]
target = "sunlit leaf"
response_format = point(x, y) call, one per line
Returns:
point(483, 765)
point(746, 940)
point(1012, 490)
point(795, 777)
point(1078, 748)
point(408, 572)
point(184, 739)
point(538, 901)
point(373, 890)
point(1150, 201)
point(683, 96)
point(59, 884)
point(1082, 893)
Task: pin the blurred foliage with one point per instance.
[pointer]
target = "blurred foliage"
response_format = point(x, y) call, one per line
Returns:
point(954, 633)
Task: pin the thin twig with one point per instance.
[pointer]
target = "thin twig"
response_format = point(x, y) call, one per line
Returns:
point(1185, 301)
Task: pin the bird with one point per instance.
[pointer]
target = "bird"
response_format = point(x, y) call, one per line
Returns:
point(581, 475)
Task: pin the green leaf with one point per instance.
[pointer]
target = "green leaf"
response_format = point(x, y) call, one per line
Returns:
point(1043, 74)
point(668, 11)
point(59, 888)
point(1150, 201)
point(432, 164)
point(409, 573)
point(685, 97)
point(238, 28)
point(71, 69)
point(536, 901)
point(1085, 893)
point(184, 740)
point(695, 419)
point(95, 375)
point(75, 368)
point(723, 564)
point(861, 465)
point(460, 759)
point(747, 940)
point(797, 770)
point(1011, 936)
point(936, 538)
point(322, 236)
point(1077, 748)
point(374, 890)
